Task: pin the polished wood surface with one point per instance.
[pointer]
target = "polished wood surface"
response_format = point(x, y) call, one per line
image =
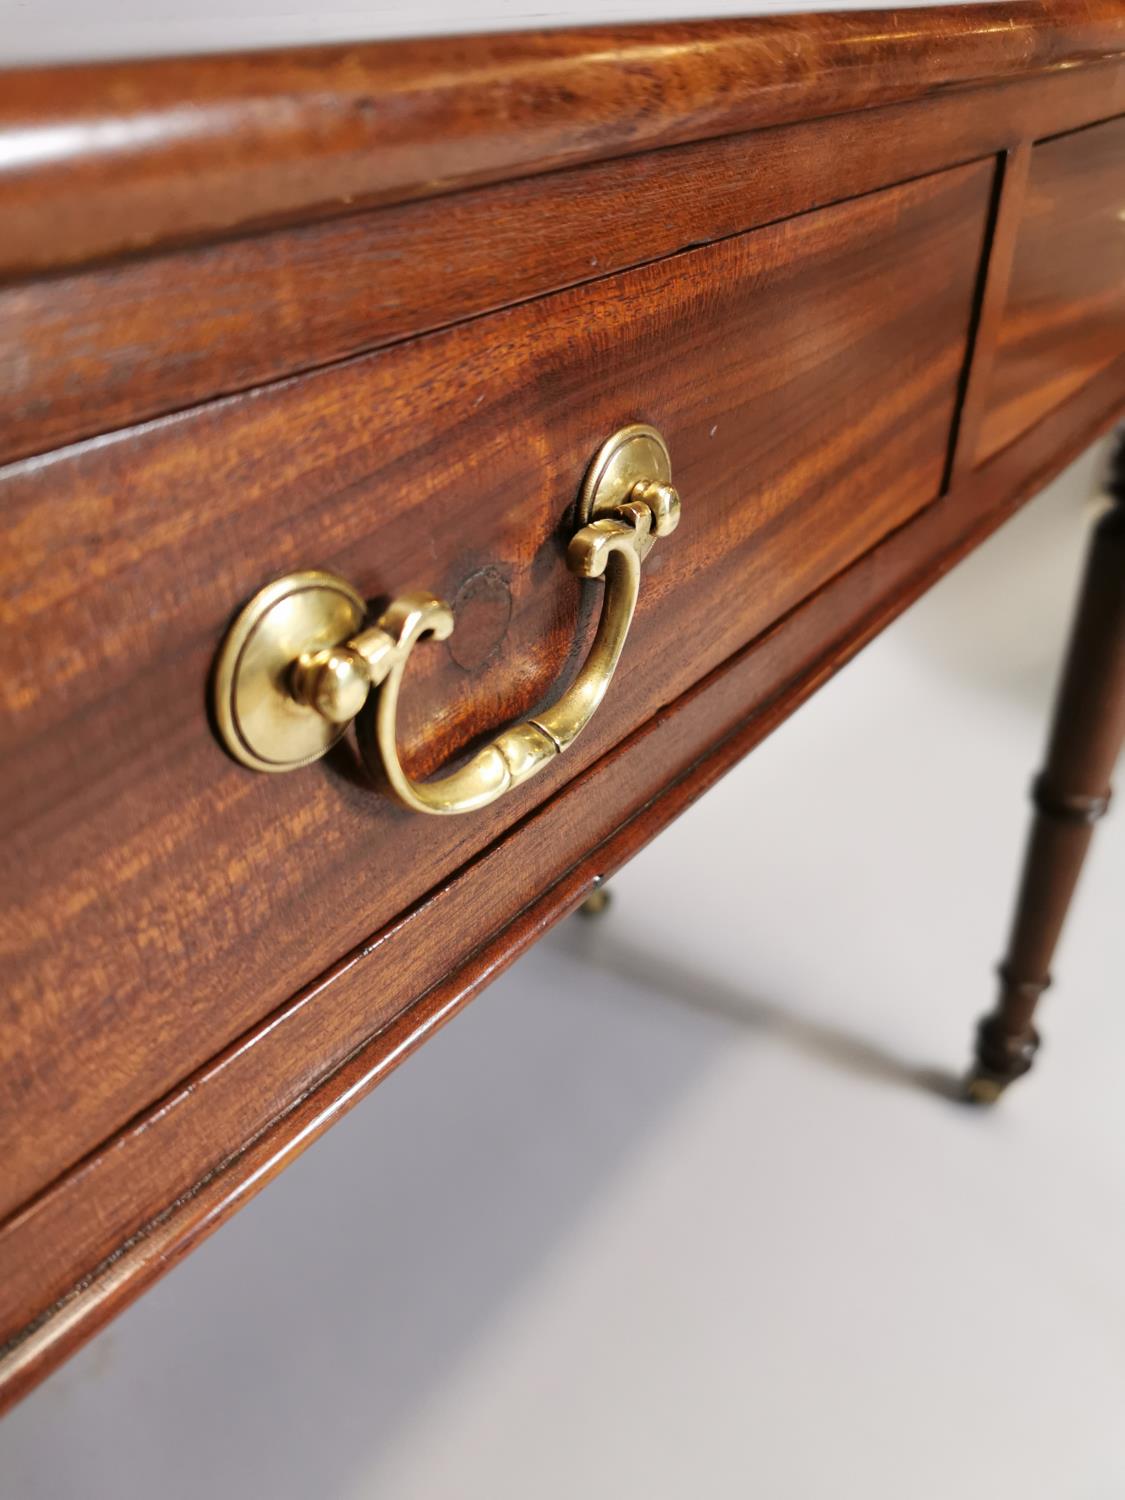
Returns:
point(1070, 796)
point(206, 967)
point(279, 136)
point(805, 377)
point(153, 335)
point(290, 1078)
point(1064, 316)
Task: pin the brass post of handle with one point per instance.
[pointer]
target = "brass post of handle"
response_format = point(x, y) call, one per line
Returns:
point(298, 665)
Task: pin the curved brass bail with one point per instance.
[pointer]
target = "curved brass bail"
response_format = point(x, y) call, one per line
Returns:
point(294, 671)
point(611, 547)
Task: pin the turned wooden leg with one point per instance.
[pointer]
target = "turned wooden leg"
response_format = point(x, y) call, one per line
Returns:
point(1069, 796)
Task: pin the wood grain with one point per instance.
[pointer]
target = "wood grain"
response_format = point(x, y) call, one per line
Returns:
point(165, 898)
point(160, 1169)
point(178, 1021)
point(101, 160)
point(1064, 319)
point(105, 347)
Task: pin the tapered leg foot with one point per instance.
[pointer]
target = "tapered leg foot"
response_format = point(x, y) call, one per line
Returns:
point(1002, 1056)
point(1069, 797)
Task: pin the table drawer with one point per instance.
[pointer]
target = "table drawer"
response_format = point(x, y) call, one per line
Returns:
point(1064, 317)
point(805, 377)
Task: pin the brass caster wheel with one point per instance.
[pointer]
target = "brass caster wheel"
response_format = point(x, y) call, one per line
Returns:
point(983, 1088)
point(597, 903)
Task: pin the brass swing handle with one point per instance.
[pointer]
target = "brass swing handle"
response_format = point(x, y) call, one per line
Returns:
point(279, 708)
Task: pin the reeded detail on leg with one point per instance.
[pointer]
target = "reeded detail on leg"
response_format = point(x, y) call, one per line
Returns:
point(1067, 807)
point(1022, 989)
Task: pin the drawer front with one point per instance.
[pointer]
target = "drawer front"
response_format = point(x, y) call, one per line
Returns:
point(805, 377)
point(1064, 319)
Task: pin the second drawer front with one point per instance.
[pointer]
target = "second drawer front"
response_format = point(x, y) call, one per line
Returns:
point(805, 377)
point(1064, 318)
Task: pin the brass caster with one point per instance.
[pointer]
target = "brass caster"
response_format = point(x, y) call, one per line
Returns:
point(983, 1088)
point(597, 903)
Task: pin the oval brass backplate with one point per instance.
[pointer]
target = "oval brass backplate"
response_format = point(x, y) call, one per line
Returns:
point(261, 723)
point(633, 454)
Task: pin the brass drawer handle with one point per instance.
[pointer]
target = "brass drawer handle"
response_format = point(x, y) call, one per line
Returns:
point(297, 665)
